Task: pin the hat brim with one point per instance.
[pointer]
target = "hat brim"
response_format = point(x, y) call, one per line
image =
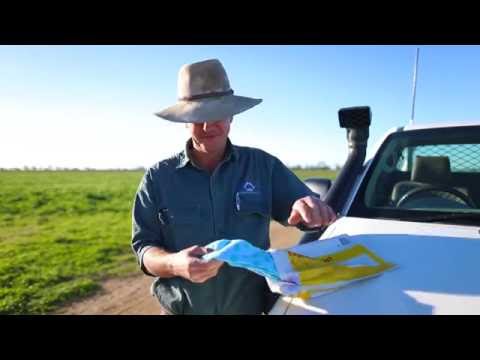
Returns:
point(208, 109)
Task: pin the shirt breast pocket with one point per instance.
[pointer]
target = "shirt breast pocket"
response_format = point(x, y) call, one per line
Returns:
point(251, 203)
point(252, 218)
point(184, 226)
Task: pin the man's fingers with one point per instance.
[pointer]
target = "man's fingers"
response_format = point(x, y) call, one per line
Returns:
point(318, 214)
point(312, 211)
point(333, 216)
point(323, 216)
point(294, 218)
point(301, 211)
point(213, 264)
point(309, 201)
point(199, 265)
point(204, 275)
point(196, 251)
point(211, 273)
point(304, 210)
point(328, 216)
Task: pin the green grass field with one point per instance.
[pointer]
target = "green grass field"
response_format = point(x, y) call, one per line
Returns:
point(63, 232)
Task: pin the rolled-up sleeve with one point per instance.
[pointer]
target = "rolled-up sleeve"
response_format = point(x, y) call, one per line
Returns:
point(286, 189)
point(146, 231)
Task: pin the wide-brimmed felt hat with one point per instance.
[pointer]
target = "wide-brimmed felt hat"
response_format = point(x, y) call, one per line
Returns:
point(205, 95)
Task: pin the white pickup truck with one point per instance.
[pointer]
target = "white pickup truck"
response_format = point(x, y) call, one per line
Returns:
point(416, 202)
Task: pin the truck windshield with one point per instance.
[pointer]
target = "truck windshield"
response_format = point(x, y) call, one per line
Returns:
point(423, 175)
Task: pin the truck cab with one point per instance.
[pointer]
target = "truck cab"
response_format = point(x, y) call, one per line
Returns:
point(416, 202)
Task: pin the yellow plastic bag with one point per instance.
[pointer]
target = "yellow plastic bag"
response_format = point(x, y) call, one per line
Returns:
point(322, 266)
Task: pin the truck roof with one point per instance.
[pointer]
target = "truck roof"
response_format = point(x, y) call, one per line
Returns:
point(419, 126)
point(437, 125)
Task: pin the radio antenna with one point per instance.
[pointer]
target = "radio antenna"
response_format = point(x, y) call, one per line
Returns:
point(414, 86)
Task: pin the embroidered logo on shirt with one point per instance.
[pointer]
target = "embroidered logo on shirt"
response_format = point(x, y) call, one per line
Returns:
point(248, 186)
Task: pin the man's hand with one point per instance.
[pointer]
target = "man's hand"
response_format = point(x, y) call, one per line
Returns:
point(187, 264)
point(312, 211)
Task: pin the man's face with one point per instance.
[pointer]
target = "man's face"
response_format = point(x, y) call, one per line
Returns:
point(211, 136)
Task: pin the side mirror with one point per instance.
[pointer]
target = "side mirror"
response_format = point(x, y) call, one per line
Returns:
point(319, 186)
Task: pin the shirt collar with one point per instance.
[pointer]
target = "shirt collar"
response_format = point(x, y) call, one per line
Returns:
point(186, 155)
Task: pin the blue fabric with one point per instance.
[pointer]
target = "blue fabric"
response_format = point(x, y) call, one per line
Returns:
point(240, 253)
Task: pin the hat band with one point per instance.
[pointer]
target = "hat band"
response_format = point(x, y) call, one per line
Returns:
point(208, 95)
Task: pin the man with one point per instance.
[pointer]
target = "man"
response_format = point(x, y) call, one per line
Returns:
point(213, 190)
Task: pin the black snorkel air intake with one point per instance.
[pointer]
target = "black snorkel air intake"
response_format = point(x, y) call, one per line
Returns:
point(357, 122)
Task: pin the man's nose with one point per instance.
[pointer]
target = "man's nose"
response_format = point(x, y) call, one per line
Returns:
point(205, 126)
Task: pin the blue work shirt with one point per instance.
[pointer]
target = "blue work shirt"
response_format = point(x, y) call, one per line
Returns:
point(179, 205)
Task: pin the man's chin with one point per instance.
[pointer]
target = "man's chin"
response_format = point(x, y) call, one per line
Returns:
point(214, 142)
point(210, 138)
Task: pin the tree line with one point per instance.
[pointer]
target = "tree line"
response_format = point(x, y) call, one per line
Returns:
point(51, 168)
point(318, 166)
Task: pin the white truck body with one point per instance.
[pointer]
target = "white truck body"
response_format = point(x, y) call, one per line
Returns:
point(438, 263)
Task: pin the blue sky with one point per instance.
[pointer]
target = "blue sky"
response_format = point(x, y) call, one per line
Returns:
point(92, 106)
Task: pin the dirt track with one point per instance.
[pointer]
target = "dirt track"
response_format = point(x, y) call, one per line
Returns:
point(131, 295)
